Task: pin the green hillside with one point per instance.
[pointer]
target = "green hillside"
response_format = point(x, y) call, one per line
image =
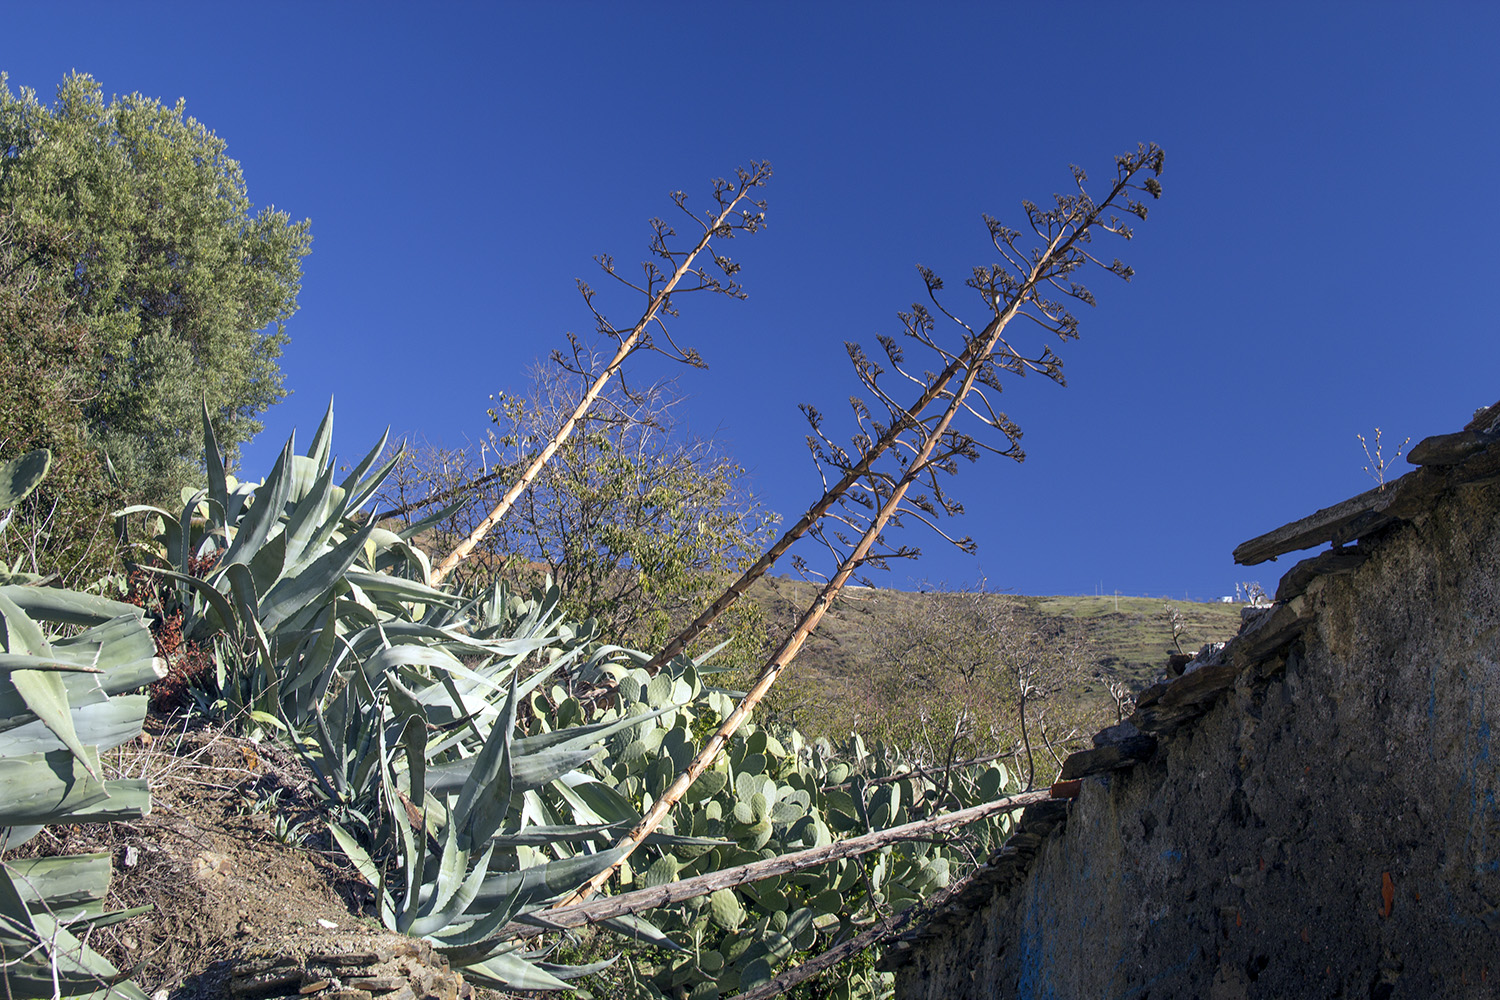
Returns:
point(854, 674)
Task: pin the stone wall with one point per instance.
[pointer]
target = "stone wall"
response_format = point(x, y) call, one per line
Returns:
point(1308, 812)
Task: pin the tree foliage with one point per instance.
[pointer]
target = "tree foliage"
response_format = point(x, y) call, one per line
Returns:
point(996, 678)
point(183, 289)
point(634, 521)
point(46, 365)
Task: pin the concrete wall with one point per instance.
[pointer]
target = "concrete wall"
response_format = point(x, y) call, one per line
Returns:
point(1328, 828)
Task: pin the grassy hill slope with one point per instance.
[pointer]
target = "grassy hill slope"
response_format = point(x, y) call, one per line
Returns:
point(849, 673)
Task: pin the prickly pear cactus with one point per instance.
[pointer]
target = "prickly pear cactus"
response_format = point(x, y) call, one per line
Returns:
point(770, 794)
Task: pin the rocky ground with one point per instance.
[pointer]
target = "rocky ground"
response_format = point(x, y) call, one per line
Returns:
point(248, 900)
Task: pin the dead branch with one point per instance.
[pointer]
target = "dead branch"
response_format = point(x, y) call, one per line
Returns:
point(578, 914)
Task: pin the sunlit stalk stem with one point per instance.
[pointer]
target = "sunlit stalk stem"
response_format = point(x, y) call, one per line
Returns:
point(627, 346)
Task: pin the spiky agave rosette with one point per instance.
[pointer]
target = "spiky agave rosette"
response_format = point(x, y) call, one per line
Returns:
point(68, 661)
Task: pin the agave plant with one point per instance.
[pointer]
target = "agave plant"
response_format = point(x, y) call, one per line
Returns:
point(407, 703)
point(291, 572)
point(442, 804)
point(402, 697)
point(68, 660)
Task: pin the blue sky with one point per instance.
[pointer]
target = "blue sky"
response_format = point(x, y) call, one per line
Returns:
point(1321, 263)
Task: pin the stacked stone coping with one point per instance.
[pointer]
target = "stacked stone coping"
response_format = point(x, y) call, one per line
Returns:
point(1257, 653)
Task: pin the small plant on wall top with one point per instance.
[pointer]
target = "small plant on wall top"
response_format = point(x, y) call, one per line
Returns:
point(1377, 463)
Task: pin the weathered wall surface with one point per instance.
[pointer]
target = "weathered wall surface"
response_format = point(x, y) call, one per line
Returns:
point(1328, 827)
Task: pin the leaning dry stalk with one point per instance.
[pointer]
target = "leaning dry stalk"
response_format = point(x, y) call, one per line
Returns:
point(437, 498)
point(815, 513)
point(628, 345)
point(977, 350)
point(972, 363)
point(574, 914)
point(793, 644)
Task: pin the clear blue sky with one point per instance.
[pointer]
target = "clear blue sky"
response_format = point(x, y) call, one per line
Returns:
point(1322, 262)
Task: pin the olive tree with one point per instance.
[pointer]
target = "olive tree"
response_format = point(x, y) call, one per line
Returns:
point(183, 288)
point(63, 527)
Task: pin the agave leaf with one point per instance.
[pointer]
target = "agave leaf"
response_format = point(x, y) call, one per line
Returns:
point(575, 737)
point(354, 486)
point(183, 553)
point(356, 854)
point(385, 661)
point(528, 887)
point(486, 793)
point(388, 552)
point(538, 769)
point(313, 672)
point(453, 867)
point(659, 839)
point(532, 771)
point(412, 842)
point(309, 513)
point(311, 581)
point(42, 691)
point(417, 527)
point(366, 487)
point(265, 514)
point(511, 972)
point(702, 658)
point(227, 620)
point(116, 656)
point(48, 959)
point(458, 902)
point(401, 589)
point(470, 940)
point(22, 635)
point(104, 725)
point(542, 882)
point(119, 642)
point(25, 661)
point(68, 606)
point(50, 787)
point(20, 476)
point(89, 921)
point(322, 443)
point(242, 590)
point(542, 836)
point(576, 971)
point(642, 930)
point(218, 480)
point(66, 885)
point(597, 802)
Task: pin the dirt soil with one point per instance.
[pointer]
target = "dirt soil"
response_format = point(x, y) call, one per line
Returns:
point(223, 887)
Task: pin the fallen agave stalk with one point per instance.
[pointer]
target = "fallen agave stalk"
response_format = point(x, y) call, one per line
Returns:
point(624, 904)
point(659, 289)
point(930, 445)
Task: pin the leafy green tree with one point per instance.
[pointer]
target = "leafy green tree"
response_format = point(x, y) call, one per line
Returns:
point(47, 361)
point(635, 522)
point(183, 289)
